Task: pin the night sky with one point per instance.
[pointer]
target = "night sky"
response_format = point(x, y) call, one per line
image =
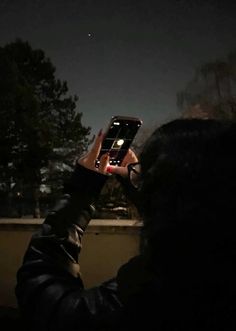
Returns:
point(123, 57)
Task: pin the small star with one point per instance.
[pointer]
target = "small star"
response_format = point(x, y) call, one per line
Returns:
point(89, 34)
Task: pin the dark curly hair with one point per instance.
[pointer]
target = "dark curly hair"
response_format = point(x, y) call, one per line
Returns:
point(187, 196)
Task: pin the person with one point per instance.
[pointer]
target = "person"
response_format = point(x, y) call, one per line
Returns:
point(184, 276)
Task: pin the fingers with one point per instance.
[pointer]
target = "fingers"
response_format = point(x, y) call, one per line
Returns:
point(89, 159)
point(122, 171)
point(130, 157)
point(104, 163)
point(95, 150)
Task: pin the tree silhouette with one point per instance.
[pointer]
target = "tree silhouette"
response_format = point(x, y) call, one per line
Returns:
point(212, 91)
point(38, 119)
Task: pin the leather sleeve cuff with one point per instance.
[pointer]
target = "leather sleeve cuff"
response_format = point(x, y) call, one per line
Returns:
point(87, 182)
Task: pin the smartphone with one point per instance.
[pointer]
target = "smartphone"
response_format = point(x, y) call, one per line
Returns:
point(118, 138)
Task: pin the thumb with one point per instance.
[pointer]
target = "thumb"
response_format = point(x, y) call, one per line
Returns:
point(122, 171)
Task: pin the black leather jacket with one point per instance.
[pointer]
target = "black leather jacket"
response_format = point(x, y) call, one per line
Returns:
point(50, 291)
point(172, 291)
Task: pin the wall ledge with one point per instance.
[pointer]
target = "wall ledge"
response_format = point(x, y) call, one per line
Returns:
point(95, 226)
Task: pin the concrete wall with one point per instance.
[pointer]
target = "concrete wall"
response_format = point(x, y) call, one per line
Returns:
point(107, 244)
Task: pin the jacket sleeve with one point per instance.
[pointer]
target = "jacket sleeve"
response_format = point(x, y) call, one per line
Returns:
point(49, 289)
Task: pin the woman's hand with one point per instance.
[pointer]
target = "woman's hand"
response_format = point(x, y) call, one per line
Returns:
point(123, 169)
point(89, 160)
